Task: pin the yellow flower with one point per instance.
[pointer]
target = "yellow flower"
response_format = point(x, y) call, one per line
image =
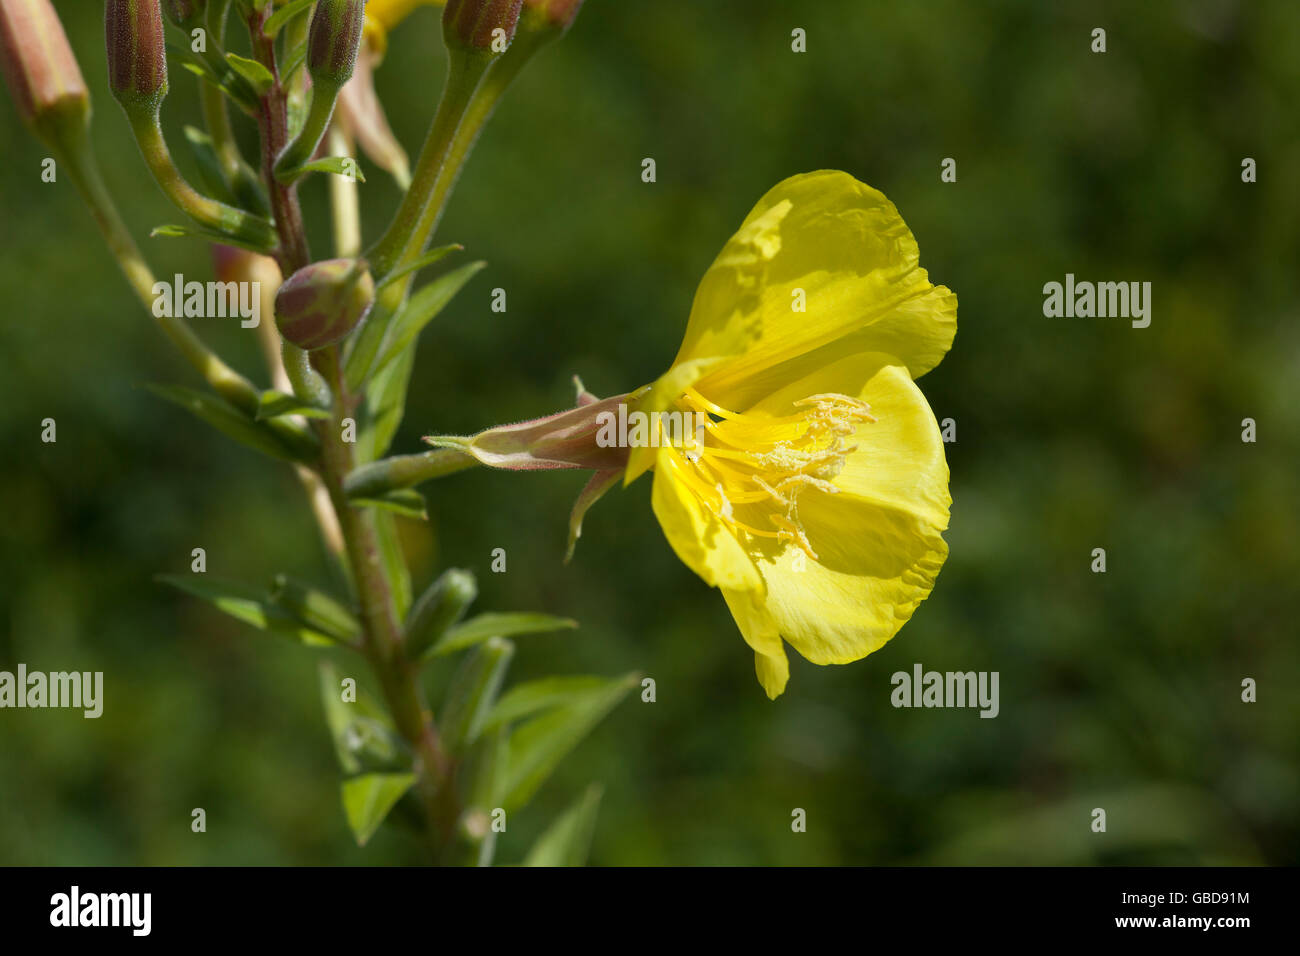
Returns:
point(818, 498)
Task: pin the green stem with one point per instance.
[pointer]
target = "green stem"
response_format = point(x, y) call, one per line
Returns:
point(307, 383)
point(410, 228)
point(404, 471)
point(398, 676)
point(237, 223)
point(287, 167)
point(80, 165)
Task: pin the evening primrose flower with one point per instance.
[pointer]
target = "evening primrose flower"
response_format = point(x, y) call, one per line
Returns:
point(816, 501)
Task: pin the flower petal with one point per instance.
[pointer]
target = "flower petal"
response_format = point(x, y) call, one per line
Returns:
point(845, 245)
point(699, 539)
point(761, 633)
point(878, 541)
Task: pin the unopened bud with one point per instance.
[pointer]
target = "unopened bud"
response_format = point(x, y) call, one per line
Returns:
point(485, 26)
point(333, 41)
point(321, 303)
point(185, 13)
point(40, 70)
point(439, 608)
point(550, 14)
point(137, 52)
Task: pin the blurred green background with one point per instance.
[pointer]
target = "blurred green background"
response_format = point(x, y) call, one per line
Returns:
point(1119, 691)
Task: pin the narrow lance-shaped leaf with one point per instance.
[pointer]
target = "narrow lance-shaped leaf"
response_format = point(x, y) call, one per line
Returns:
point(406, 502)
point(364, 738)
point(473, 691)
point(275, 404)
point(567, 841)
point(315, 608)
point(423, 307)
point(530, 697)
point(537, 747)
point(246, 604)
point(368, 798)
point(279, 441)
point(394, 561)
point(385, 405)
point(483, 626)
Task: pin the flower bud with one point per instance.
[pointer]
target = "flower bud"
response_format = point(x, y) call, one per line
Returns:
point(473, 24)
point(40, 70)
point(185, 13)
point(439, 608)
point(333, 40)
point(551, 14)
point(137, 53)
point(321, 303)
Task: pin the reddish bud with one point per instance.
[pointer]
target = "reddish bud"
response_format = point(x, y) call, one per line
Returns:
point(43, 77)
point(137, 53)
point(485, 26)
point(333, 40)
point(321, 303)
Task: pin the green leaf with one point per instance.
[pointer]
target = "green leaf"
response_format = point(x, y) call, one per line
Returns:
point(394, 561)
point(426, 260)
point(246, 604)
point(282, 16)
point(406, 502)
point(205, 157)
point(385, 405)
point(318, 610)
point(567, 840)
point(537, 747)
point(174, 231)
point(368, 798)
point(528, 698)
point(421, 310)
point(258, 77)
point(364, 738)
point(279, 443)
point(338, 165)
point(274, 404)
point(480, 627)
point(472, 693)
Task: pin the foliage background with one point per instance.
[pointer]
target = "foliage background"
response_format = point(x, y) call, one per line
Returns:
point(1118, 690)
